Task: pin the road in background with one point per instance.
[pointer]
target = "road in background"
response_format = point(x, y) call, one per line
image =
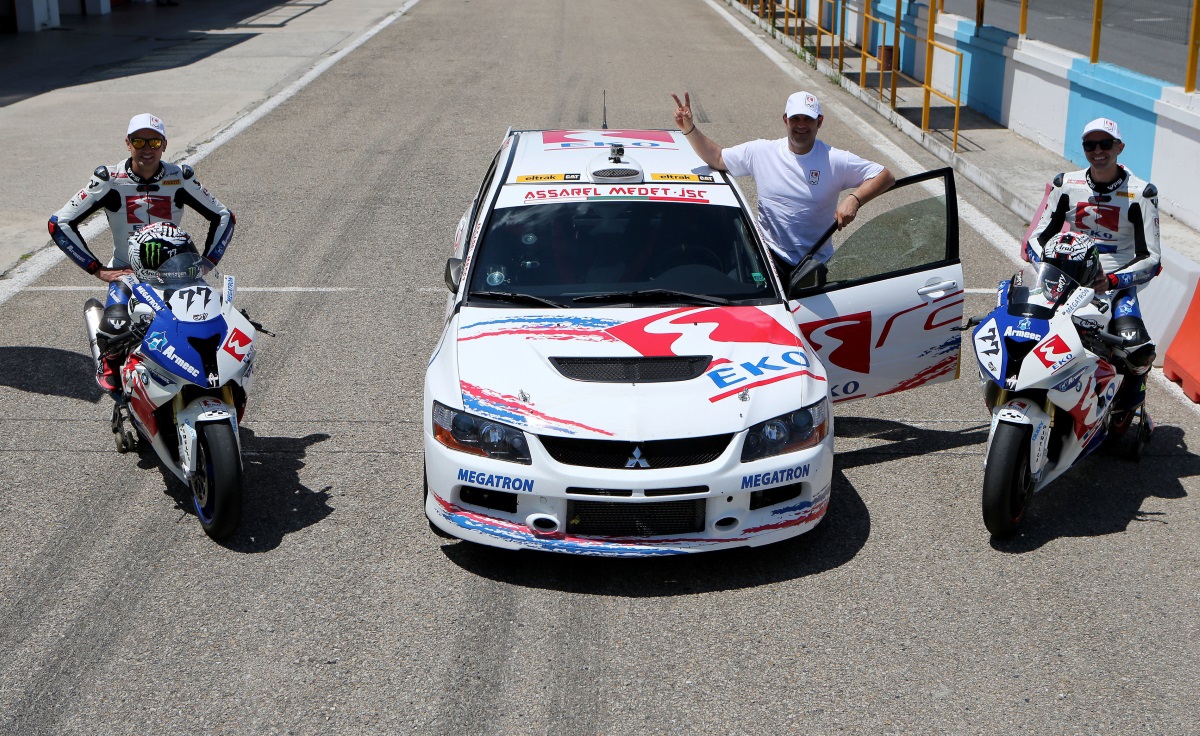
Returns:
point(1149, 38)
point(335, 610)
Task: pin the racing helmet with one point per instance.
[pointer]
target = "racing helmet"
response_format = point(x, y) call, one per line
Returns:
point(1075, 255)
point(152, 245)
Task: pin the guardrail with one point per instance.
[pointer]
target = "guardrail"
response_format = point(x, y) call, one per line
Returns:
point(796, 25)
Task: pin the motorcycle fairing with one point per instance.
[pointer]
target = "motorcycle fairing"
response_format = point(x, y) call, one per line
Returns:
point(204, 410)
point(1095, 391)
point(1026, 412)
point(1048, 358)
point(166, 342)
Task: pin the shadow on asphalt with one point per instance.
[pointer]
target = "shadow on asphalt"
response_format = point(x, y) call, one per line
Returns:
point(275, 502)
point(132, 40)
point(49, 371)
point(1104, 495)
point(834, 542)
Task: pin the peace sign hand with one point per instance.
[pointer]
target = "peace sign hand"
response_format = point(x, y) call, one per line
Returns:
point(683, 113)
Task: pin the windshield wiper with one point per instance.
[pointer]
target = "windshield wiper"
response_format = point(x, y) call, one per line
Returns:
point(651, 295)
point(517, 298)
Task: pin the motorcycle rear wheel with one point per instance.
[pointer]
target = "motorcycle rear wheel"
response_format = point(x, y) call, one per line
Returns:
point(217, 484)
point(1007, 483)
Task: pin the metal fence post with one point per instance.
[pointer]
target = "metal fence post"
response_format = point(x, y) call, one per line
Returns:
point(1189, 84)
point(928, 81)
point(1097, 15)
point(896, 51)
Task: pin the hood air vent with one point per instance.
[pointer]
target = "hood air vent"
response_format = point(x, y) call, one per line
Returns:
point(633, 370)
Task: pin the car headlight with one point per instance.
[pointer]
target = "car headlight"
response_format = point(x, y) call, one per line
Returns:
point(795, 430)
point(474, 435)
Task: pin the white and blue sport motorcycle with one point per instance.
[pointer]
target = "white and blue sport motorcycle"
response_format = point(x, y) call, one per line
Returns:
point(1049, 372)
point(188, 369)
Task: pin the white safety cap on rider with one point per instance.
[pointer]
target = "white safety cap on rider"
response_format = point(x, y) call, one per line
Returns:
point(148, 122)
point(1104, 125)
point(803, 103)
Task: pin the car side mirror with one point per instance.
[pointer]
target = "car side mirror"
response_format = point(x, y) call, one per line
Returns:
point(807, 278)
point(454, 269)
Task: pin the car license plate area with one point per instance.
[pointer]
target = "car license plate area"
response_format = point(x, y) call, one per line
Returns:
point(616, 519)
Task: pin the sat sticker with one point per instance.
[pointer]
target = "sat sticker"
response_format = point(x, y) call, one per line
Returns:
point(534, 178)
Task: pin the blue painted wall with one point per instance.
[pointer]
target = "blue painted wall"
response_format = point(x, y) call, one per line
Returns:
point(1107, 91)
point(983, 66)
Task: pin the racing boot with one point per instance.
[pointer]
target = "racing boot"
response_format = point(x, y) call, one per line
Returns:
point(106, 374)
point(115, 325)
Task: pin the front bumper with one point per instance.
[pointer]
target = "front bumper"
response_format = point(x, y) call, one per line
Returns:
point(514, 506)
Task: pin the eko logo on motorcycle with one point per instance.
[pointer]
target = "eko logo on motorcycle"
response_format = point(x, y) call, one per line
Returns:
point(238, 344)
point(1054, 353)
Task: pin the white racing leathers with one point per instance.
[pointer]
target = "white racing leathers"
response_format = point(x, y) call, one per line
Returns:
point(1122, 217)
point(130, 202)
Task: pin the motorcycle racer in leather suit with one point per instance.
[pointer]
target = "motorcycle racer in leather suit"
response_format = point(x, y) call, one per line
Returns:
point(132, 200)
point(140, 191)
point(1120, 213)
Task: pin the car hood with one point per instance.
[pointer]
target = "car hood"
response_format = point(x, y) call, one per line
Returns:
point(756, 368)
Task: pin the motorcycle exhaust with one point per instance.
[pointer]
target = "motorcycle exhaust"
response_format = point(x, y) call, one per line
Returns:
point(93, 312)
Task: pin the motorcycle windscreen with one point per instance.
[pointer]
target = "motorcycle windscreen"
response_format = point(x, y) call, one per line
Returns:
point(881, 312)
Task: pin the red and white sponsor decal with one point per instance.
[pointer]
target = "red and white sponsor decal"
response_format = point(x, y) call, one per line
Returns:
point(850, 334)
point(238, 344)
point(141, 209)
point(1052, 351)
point(573, 137)
point(656, 335)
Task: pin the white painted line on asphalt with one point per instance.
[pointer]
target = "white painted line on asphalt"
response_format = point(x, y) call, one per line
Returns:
point(999, 238)
point(45, 259)
point(240, 288)
point(314, 289)
point(979, 291)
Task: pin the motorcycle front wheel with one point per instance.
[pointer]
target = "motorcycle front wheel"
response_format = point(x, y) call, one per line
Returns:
point(217, 484)
point(1007, 484)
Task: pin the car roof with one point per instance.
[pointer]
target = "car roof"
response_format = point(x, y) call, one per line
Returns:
point(557, 166)
point(663, 155)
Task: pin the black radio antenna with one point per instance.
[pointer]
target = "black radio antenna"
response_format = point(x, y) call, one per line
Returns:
point(604, 108)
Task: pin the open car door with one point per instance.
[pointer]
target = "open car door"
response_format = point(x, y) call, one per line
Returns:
point(880, 312)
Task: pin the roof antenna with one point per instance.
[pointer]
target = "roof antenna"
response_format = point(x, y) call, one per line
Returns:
point(604, 105)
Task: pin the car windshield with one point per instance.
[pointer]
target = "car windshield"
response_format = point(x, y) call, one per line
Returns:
point(1037, 290)
point(585, 254)
point(185, 269)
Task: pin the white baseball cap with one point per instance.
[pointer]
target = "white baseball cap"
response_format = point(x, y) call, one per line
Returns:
point(1104, 125)
point(148, 121)
point(803, 103)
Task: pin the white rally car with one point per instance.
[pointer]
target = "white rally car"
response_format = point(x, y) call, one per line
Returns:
point(622, 371)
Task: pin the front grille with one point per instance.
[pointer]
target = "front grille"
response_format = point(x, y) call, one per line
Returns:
point(771, 496)
point(633, 370)
point(489, 499)
point(619, 454)
point(615, 173)
point(615, 519)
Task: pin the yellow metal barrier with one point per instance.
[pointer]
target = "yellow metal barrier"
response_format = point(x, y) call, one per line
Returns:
point(796, 24)
point(1189, 83)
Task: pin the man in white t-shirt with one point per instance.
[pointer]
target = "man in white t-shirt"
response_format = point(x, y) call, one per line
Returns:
point(799, 178)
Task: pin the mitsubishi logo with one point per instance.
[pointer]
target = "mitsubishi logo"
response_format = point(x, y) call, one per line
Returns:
point(637, 461)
